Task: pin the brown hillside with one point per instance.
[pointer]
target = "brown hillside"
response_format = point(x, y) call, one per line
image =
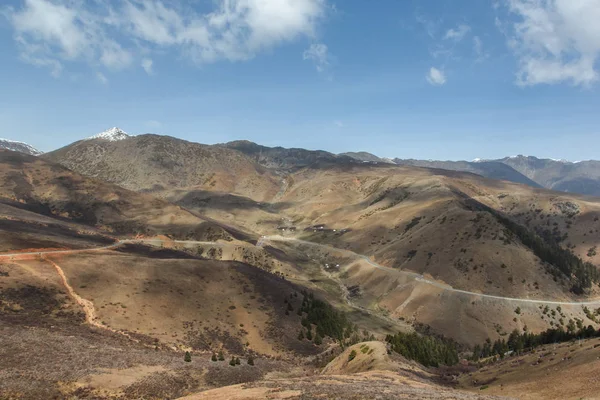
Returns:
point(155, 163)
point(34, 187)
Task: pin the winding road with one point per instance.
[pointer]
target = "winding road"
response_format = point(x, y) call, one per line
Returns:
point(421, 279)
point(261, 242)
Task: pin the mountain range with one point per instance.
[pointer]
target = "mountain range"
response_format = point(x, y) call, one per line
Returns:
point(150, 257)
point(582, 177)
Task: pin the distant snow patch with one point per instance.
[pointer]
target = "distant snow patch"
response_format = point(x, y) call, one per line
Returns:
point(112, 135)
point(21, 147)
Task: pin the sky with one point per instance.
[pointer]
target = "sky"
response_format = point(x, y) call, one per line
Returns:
point(426, 79)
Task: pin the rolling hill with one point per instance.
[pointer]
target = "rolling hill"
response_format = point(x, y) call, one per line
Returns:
point(42, 198)
point(153, 163)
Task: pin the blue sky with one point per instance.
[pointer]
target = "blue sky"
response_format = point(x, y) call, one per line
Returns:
point(439, 79)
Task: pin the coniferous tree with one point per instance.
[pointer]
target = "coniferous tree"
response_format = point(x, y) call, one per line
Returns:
point(187, 357)
point(309, 335)
point(250, 360)
point(214, 357)
point(318, 340)
point(221, 356)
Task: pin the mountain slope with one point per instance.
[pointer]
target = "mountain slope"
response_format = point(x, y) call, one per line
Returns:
point(488, 169)
point(112, 135)
point(368, 157)
point(156, 163)
point(36, 194)
point(580, 177)
point(19, 146)
point(283, 158)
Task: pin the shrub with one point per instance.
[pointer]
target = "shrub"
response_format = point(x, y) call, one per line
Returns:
point(352, 355)
point(250, 360)
point(214, 357)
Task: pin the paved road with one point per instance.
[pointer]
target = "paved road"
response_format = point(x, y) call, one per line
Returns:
point(448, 288)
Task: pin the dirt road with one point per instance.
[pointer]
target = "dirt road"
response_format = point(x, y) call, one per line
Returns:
point(421, 279)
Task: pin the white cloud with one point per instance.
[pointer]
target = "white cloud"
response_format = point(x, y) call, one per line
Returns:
point(153, 124)
point(555, 40)
point(459, 33)
point(478, 49)
point(431, 26)
point(103, 79)
point(147, 65)
point(318, 54)
point(436, 77)
point(53, 32)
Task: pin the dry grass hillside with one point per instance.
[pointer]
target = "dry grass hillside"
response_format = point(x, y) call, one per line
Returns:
point(155, 163)
point(362, 371)
point(562, 371)
point(424, 221)
point(435, 224)
point(35, 191)
point(47, 351)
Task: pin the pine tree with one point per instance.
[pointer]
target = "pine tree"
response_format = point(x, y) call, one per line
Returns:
point(188, 357)
point(237, 361)
point(309, 335)
point(221, 356)
point(214, 357)
point(318, 339)
point(232, 362)
point(250, 360)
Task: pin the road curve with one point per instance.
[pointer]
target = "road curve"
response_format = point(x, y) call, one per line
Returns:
point(414, 275)
point(448, 288)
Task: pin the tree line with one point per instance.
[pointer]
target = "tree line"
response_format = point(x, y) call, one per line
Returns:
point(518, 342)
point(580, 274)
point(430, 351)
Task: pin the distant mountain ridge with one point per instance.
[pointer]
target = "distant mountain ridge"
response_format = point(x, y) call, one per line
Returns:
point(285, 158)
point(488, 169)
point(21, 147)
point(581, 177)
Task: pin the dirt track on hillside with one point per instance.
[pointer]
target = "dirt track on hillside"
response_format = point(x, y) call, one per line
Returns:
point(86, 305)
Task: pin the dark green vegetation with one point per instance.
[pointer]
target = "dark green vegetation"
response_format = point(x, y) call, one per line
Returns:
point(560, 262)
point(428, 350)
point(520, 342)
point(325, 318)
point(352, 355)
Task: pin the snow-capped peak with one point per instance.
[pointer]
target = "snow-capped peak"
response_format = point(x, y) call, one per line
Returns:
point(112, 135)
point(19, 146)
